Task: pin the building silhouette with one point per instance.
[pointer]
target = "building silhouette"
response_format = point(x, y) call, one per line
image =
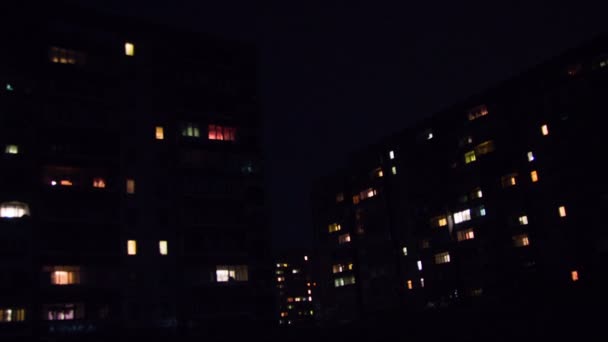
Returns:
point(296, 289)
point(131, 195)
point(498, 199)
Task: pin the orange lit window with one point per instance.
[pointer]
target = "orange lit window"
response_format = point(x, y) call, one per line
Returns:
point(534, 176)
point(562, 211)
point(478, 112)
point(345, 238)
point(222, 133)
point(12, 315)
point(64, 56)
point(65, 182)
point(65, 275)
point(99, 183)
point(467, 234)
point(521, 240)
point(410, 285)
point(509, 180)
point(574, 275)
point(160, 133)
point(130, 186)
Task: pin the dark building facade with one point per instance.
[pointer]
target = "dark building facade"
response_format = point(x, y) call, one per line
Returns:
point(131, 193)
point(296, 290)
point(501, 196)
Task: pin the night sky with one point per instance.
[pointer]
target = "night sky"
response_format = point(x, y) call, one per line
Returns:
point(336, 76)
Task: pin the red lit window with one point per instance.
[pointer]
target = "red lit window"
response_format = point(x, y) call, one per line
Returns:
point(222, 133)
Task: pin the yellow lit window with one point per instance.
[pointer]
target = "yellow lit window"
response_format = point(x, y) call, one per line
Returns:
point(130, 186)
point(129, 49)
point(574, 275)
point(99, 183)
point(442, 258)
point(11, 315)
point(442, 222)
point(163, 247)
point(534, 176)
point(380, 174)
point(544, 129)
point(334, 227)
point(410, 285)
point(394, 170)
point(469, 157)
point(160, 133)
point(562, 211)
point(521, 240)
point(509, 180)
point(132, 247)
point(11, 149)
point(523, 220)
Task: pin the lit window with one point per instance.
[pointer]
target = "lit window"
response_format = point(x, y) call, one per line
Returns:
point(14, 210)
point(442, 258)
point(410, 285)
point(478, 112)
point(339, 197)
point(521, 240)
point(11, 315)
point(523, 220)
point(306, 258)
point(442, 222)
point(62, 312)
point(65, 182)
point(429, 136)
point(163, 247)
point(99, 183)
point(404, 249)
point(11, 149)
point(344, 238)
point(295, 271)
point(343, 281)
point(562, 211)
point(159, 133)
point(130, 186)
point(9, 87)
point(222, 133)
point(368, 193)
point(419, 264)
point(467, 234)
point(224, 274)
point(64, 275)
point(421, 282)
point(338, 268)
point(530, 156)
point(379, 173)
point(132, 247)
point(481, 210)
point(534, 176)
point(394, 170)
point(334, 227)
point(484, 148)
point(64, 56)
point(234, 273)
point(356, 199)
point(509, 180)
point(477, 193)
point(469, 157)
point(190, 129)
point(129, 49)
point(544, 129)
point(462, 216)
point(391, 154)
point(574, 275)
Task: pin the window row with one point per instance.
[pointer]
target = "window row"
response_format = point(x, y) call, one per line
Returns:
point(60, 55)
point(163, 247)
point(192, 130)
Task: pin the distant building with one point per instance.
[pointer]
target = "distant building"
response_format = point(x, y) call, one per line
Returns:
point(131, 189)
point(296, 290)
point(501, 195)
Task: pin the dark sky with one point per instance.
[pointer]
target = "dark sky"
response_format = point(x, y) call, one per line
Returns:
point(338, 75)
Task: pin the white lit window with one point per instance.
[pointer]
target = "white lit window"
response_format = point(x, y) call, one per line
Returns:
point(295, 271)
point(404, 251)
point(530, 156)
point(394, 170)
point(419, 264)
point(462, 216)
point(129, 49)
point(523, 220)
point(421, 282)
point(9, 87)
point(62, 312)
point(132, 247)
point(544, 129)
point(344, 238)
point(481, 210)
point(226, 273)
point(163, 247)
point(368, 193)
point(306, 258)
point(343, 281)
point(467, 234)
point(14, 210)
point(130, 186)
point(562, 211)
point(391, 154)
point(521, 240)
point(11, 149)
point(534, 176)
point(159, 133)
point(429, 136)
point(11, 315)
point(442, 258)
point(410, 285)
point(477, 193)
